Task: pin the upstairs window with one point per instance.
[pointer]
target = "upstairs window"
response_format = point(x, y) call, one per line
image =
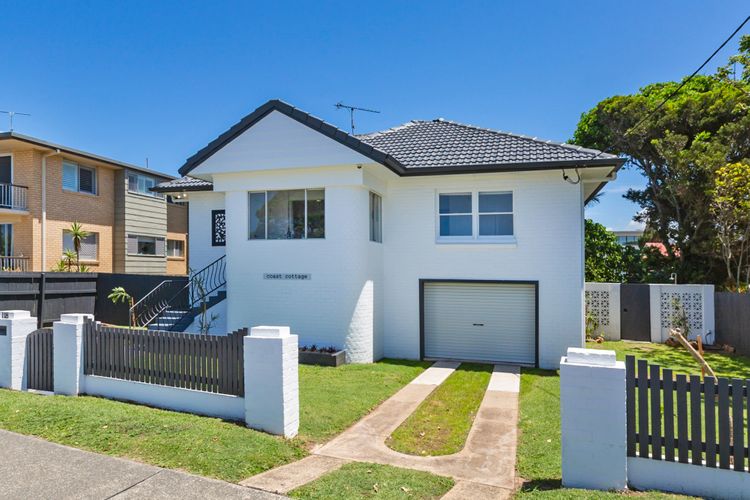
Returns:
point(175, 248)
point(483, 215)
point(286, 215)
point(78, 178)
point(89, 245)
point(141, 184)
point(376, 218)
point(146, 245)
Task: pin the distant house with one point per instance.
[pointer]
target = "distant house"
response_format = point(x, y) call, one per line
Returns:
point(44, 187)
point(427, 240)
point(631, 238)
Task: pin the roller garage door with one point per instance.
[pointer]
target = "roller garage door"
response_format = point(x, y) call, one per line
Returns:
point(479, 321)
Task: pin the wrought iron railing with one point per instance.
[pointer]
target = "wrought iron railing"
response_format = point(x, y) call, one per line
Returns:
point(15, 264)
point(13, 196)
point(172, 295)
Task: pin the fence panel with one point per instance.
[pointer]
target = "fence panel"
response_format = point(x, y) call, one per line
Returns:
point(210, 363)
point(698, 420)
point(39, 368)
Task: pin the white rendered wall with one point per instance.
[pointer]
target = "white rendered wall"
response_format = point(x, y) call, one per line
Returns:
point(607, 314)
point(688, 479)
point(201, 253)
point(336, 306)
point(549, 235)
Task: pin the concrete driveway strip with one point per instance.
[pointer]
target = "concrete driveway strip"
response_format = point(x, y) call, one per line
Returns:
point(33, 468)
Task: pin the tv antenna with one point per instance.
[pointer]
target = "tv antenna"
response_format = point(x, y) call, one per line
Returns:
point(352, 109)
point(11, 115)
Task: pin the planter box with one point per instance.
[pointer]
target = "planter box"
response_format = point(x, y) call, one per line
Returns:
point(322, 358)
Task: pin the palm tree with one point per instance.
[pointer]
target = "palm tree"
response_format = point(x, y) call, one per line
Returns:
point(78, 234)
point(119, 294)
point(69, 256)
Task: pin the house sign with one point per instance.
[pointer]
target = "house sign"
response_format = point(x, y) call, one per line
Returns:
point(287, 276)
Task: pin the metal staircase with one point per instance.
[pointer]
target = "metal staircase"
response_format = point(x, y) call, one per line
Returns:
point(173, 305)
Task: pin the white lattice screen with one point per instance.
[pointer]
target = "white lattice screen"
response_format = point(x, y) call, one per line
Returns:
point(690, 302)
point(597, 305)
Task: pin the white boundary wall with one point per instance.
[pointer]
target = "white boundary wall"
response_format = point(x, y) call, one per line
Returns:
point(594, 440)
point(698, 303)
point(17, 325)
point(603, 302)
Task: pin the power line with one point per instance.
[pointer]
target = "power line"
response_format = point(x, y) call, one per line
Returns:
point(679, 87)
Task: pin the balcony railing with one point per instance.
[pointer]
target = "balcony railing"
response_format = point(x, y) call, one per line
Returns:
point(14, 264)
point(13, 197)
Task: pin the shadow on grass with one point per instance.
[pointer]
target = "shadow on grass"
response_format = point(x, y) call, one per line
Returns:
point(541, 485)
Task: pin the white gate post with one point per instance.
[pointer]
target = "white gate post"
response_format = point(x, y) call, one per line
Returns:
point(271, 380)
point(593, 420)
point(67, 348)
point(15, 326)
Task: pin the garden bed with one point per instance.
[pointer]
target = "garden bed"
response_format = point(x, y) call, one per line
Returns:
point(327, 356)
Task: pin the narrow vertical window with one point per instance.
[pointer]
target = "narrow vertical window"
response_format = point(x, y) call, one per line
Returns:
point(376, 218)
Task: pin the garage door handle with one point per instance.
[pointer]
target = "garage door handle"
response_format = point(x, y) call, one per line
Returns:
point(478, 324)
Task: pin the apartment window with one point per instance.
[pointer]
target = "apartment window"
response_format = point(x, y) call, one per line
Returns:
point(89, 245)
point(142, 184)
point(286, 215)
point(146, 245)
point(376, 218)
point(6, 240)
point(475, 215)
point(175, 248)
point(78, 178)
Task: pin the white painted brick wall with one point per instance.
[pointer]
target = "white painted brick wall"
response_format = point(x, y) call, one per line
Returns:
point(18, 325)
point(67, 349)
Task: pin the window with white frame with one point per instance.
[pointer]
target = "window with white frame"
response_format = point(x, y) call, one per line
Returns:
point(477, 215)
point(175, 248)
point(142, 184)
point(286, 215)
point(89, 245)
point(376, 218)
point(78, 178)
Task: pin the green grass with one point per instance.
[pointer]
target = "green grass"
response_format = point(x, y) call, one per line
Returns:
point(538, 455)
point(331, 399)
point(363, 480)
point(440, 425)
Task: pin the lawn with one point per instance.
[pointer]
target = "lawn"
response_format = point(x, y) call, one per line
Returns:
point(363, 480)
point(440, 425)
point(331, 399)
point(538, 456)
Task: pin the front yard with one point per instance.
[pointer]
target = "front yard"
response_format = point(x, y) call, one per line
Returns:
point(539, 460)
point(331, 399)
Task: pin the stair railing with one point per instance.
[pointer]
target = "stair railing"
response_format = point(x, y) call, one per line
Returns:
point(175, 294)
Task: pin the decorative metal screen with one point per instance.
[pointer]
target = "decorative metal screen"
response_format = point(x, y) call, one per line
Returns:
point(218, 228)
point(690, 302)
point(597, 305)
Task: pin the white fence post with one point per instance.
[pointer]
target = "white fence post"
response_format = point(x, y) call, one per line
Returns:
point(593, 420)
point(271, 380)
point(15, 326)
point(67, 348)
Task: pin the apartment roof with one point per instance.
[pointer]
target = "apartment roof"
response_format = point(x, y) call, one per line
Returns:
point(64, 149)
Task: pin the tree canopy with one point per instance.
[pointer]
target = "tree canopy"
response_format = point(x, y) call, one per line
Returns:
point(679, 151)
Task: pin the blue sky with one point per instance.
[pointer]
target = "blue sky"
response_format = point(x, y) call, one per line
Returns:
point(160, 79)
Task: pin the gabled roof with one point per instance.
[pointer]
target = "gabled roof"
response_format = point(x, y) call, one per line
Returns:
point(430, 147)
point(183, 184)
point(439, 145)
point(83, 154)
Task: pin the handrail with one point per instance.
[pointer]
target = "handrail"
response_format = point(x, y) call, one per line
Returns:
point(13, 196)
point(14, 263)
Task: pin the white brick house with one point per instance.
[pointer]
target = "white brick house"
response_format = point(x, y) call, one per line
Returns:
point(429, 240)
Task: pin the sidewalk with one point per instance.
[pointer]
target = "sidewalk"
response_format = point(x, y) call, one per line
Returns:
point(33, 468)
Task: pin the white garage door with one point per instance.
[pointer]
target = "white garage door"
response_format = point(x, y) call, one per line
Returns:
point(480, 321)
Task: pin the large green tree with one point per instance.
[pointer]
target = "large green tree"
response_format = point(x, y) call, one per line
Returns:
point(678, 150)
point(604, 255)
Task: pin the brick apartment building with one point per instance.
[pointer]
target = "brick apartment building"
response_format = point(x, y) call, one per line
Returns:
point(45, 187)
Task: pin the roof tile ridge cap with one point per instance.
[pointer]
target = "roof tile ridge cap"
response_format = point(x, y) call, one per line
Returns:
point(378, 133)
point(528, 138)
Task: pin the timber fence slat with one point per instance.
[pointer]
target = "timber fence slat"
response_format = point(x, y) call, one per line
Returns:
point(655, 411)
point(668, 415)
point(723, 423)
point(210, 363)
point(696, 449)
point(710, 425)
point(738, 432)
point(643, 408)
point(682, 419)
point(630, 403)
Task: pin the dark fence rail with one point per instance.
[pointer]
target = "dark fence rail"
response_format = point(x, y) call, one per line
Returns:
point(210, 363)
point(679, 418)
point(733, 320)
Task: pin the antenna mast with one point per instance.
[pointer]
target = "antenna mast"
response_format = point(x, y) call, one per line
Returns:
point(12, 114)
point(352, 109)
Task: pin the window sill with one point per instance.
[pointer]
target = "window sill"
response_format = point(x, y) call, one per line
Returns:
point(175, 258)
point(145, 255)
point(507, 241)
point(82, 193)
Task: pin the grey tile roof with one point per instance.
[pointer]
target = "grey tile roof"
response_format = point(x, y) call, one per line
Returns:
point(183, 184)
point(443, 144)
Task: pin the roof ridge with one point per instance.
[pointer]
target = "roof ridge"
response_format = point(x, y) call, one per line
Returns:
point(378, 133)
point(528, 138)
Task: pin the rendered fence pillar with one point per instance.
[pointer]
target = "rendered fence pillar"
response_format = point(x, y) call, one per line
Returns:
point(271, 380)
point(15, 326)
point(593, 425)
point(67, 348)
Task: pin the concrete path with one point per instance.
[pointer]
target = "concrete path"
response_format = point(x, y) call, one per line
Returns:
point(291, 476)
point(486, 465)
point(33, 468)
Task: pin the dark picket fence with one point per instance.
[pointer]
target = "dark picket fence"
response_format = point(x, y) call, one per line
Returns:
point(684, 419)
point(210, 363)
point(39, 360)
